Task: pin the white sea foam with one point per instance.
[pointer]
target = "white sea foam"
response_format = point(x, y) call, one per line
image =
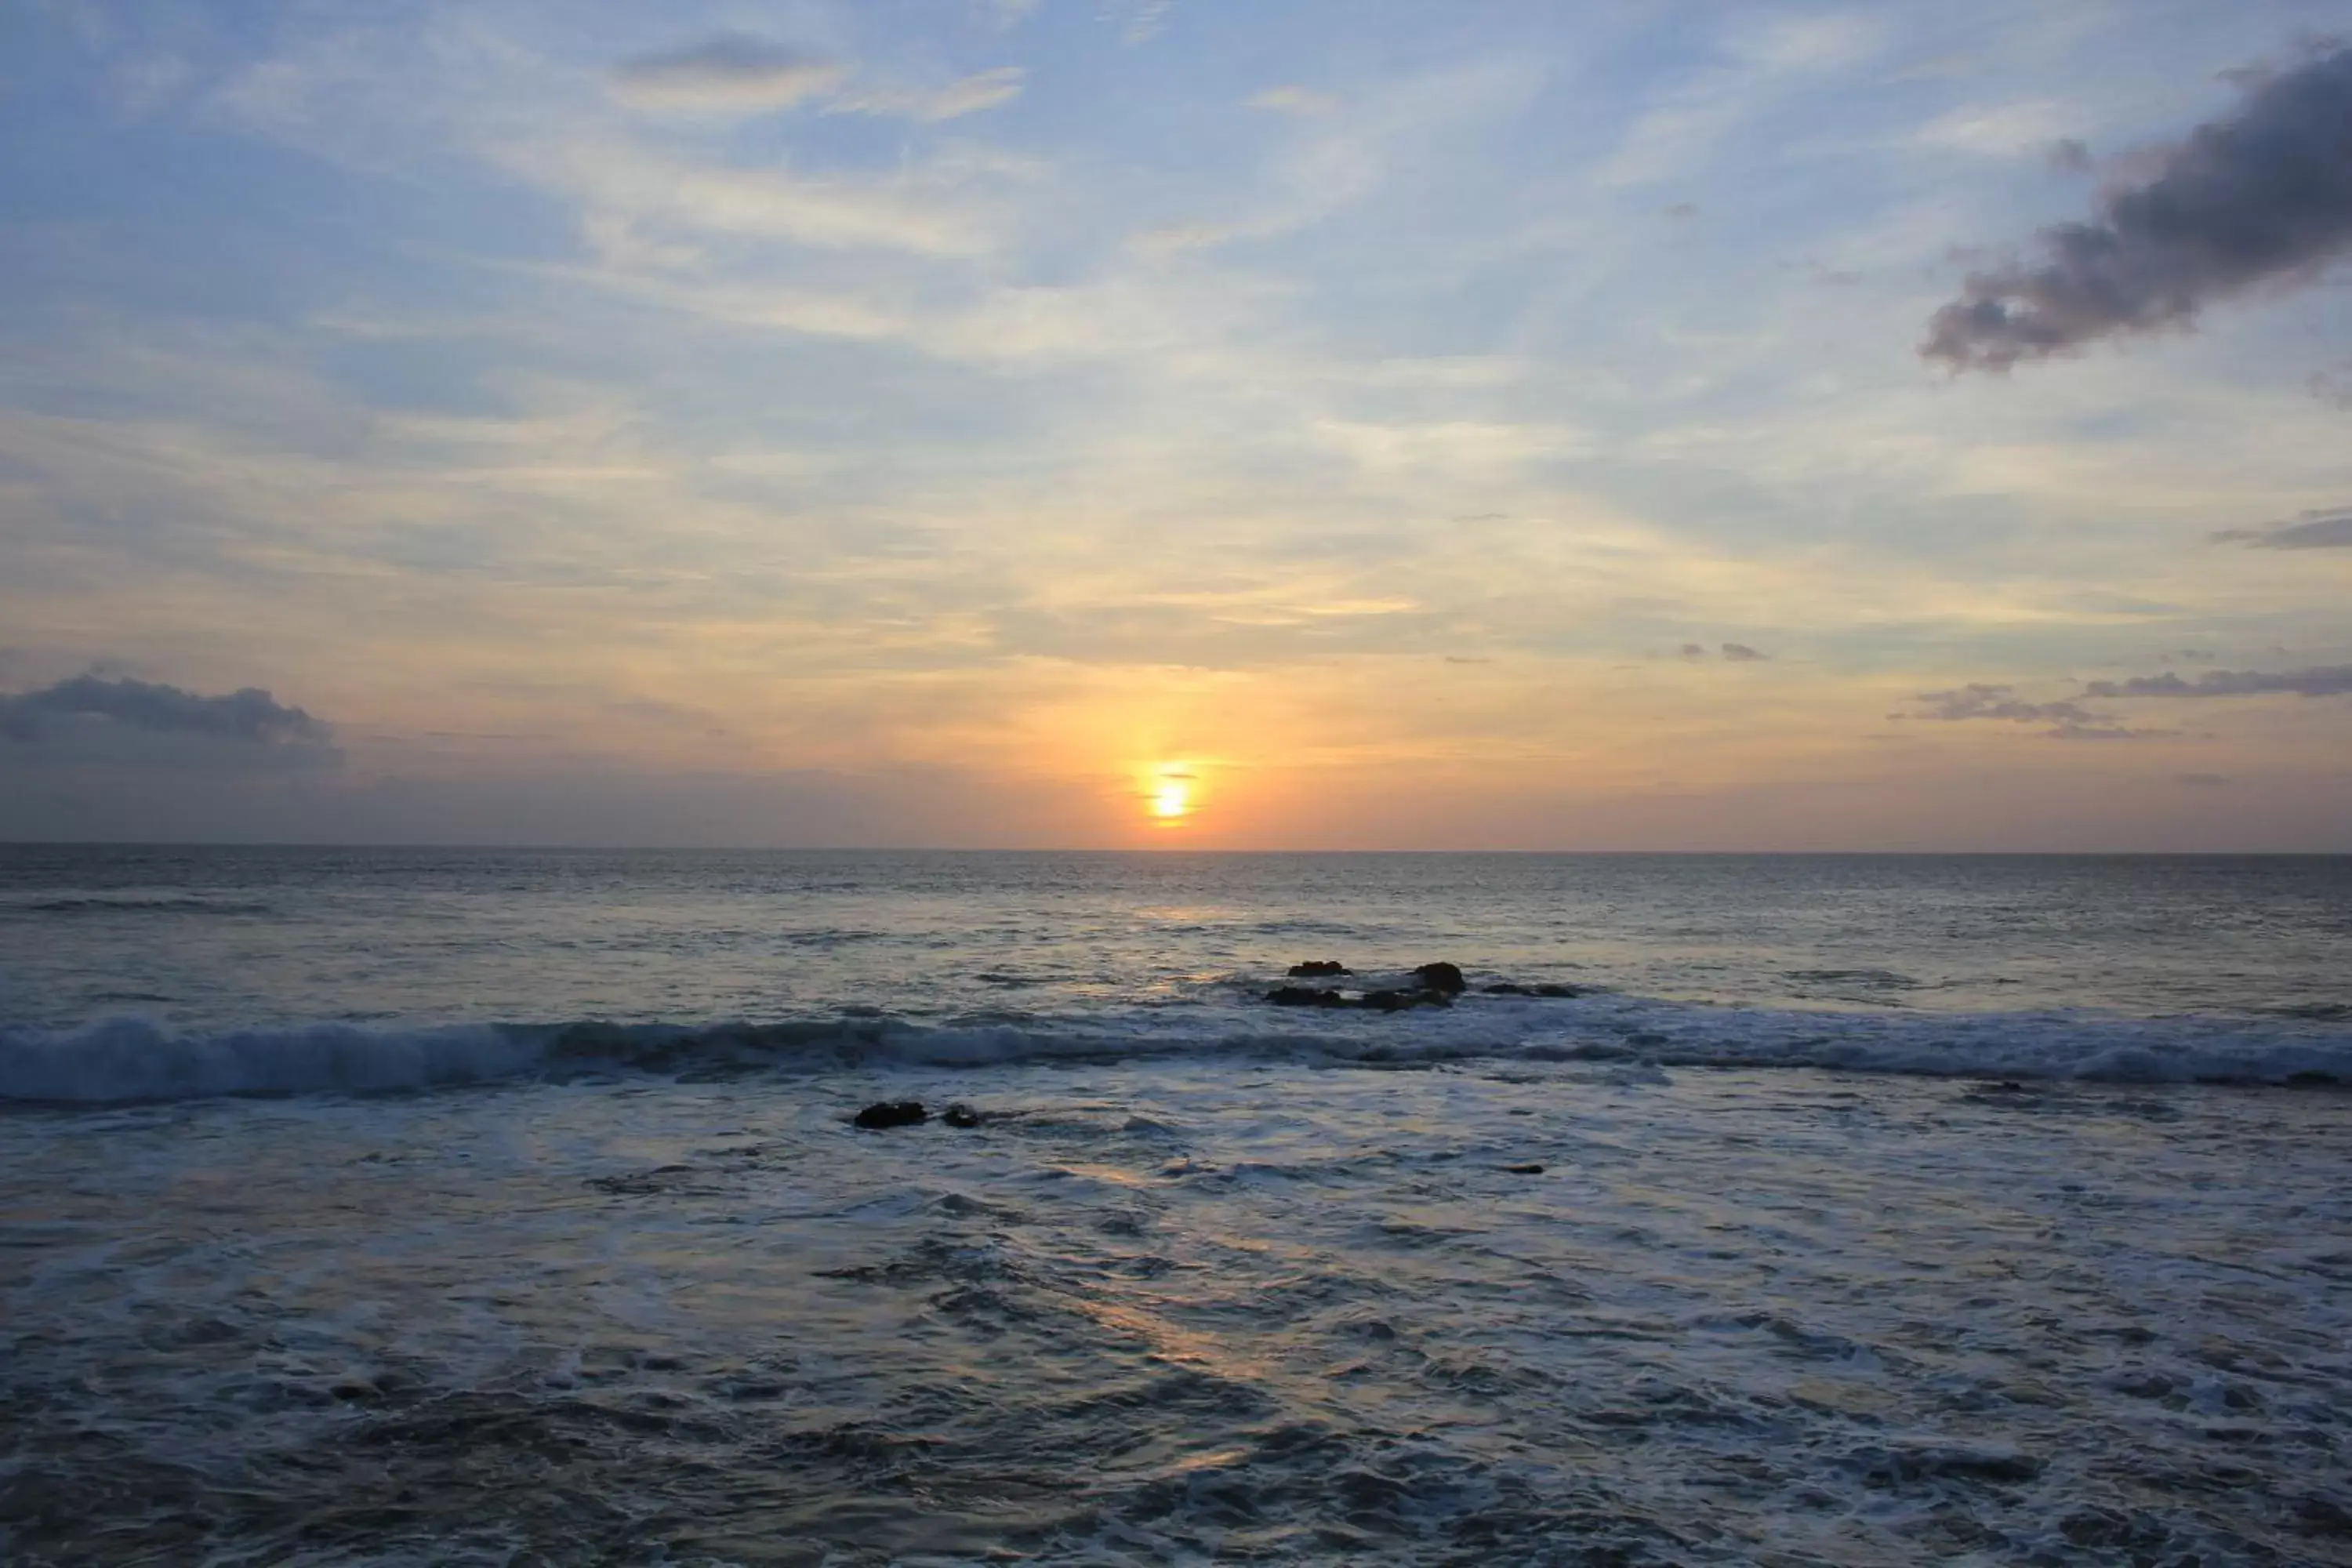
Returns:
point(133, 1058)
point(137, 1058)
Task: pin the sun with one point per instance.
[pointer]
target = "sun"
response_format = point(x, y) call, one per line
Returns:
point(1171, 793)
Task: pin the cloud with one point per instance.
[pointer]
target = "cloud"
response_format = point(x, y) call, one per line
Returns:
point(1007, 15)
point(1305, 102)
point(637, 198)
point(251, 716)
point(2328, 528)
point(2326, 680)
point(1144, 19)
point(1730, 652)
point(2068, 721)
point(2103, 732)
point(2263, 197)
point(967, 95)
point(732, 72)
point(2333, 385)
point(2068, 155)
point(1978, 701)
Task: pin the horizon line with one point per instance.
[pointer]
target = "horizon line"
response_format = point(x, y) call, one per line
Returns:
point(570, 848)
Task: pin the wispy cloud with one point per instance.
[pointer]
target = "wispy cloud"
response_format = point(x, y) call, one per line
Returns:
point(2264, 197)
point(736, 72)
point(639, 198)
point(1293, 100)
point(967, 95)
point(2329, 528)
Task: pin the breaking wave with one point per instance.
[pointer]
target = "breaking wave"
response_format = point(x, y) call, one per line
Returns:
point(130, 1059)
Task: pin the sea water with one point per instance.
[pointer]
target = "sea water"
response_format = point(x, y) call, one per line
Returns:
point(473, 1206)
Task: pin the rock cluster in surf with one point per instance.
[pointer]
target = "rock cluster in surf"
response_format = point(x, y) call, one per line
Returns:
point(1434, 985)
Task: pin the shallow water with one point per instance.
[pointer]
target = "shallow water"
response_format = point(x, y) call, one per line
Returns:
point(353, 1243)
point(1167, 1313)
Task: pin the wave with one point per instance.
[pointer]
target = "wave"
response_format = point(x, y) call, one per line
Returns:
point(84, 904)
point(129, 1059)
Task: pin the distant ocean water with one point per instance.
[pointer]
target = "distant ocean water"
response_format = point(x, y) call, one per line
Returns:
point(1859, 1209)
point(157, 973)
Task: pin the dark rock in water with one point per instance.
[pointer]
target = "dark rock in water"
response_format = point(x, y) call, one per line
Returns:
point(1548, 989)
point(2310, 1078)
point(1304, 997)
point(892, 1113)
point(1442, 977)
point(960, 1115)
point(1398, 1001)
point(1552, 989)
point(1507, 989)
point(1315, 966)
point(1526, 1170)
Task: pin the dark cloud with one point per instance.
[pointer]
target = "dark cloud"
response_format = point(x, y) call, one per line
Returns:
point(1978, 701)
point(2067, 721)
point(730, 70)
point(1730, 652)
point(1741, 653)
point(2328, 680)
point(2263, 197)
point(2068, 155)
point(2327, 530)
point(251, 716)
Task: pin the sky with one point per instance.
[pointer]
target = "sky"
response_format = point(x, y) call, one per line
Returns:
point(1648, 425)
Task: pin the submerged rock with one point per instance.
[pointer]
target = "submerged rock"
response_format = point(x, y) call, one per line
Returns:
point(891, 1113)
point(1315, 966)
point(1442, 977)
point(1529, 1168)
point(1509, 988)
point(961, 1115)
point(1305, 996)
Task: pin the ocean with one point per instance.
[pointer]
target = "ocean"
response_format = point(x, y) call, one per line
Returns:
point(482, 1206)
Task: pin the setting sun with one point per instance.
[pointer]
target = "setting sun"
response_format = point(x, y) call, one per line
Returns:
point(1171, 801)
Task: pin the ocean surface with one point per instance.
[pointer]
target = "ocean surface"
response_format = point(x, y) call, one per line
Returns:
point(467, 1206)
